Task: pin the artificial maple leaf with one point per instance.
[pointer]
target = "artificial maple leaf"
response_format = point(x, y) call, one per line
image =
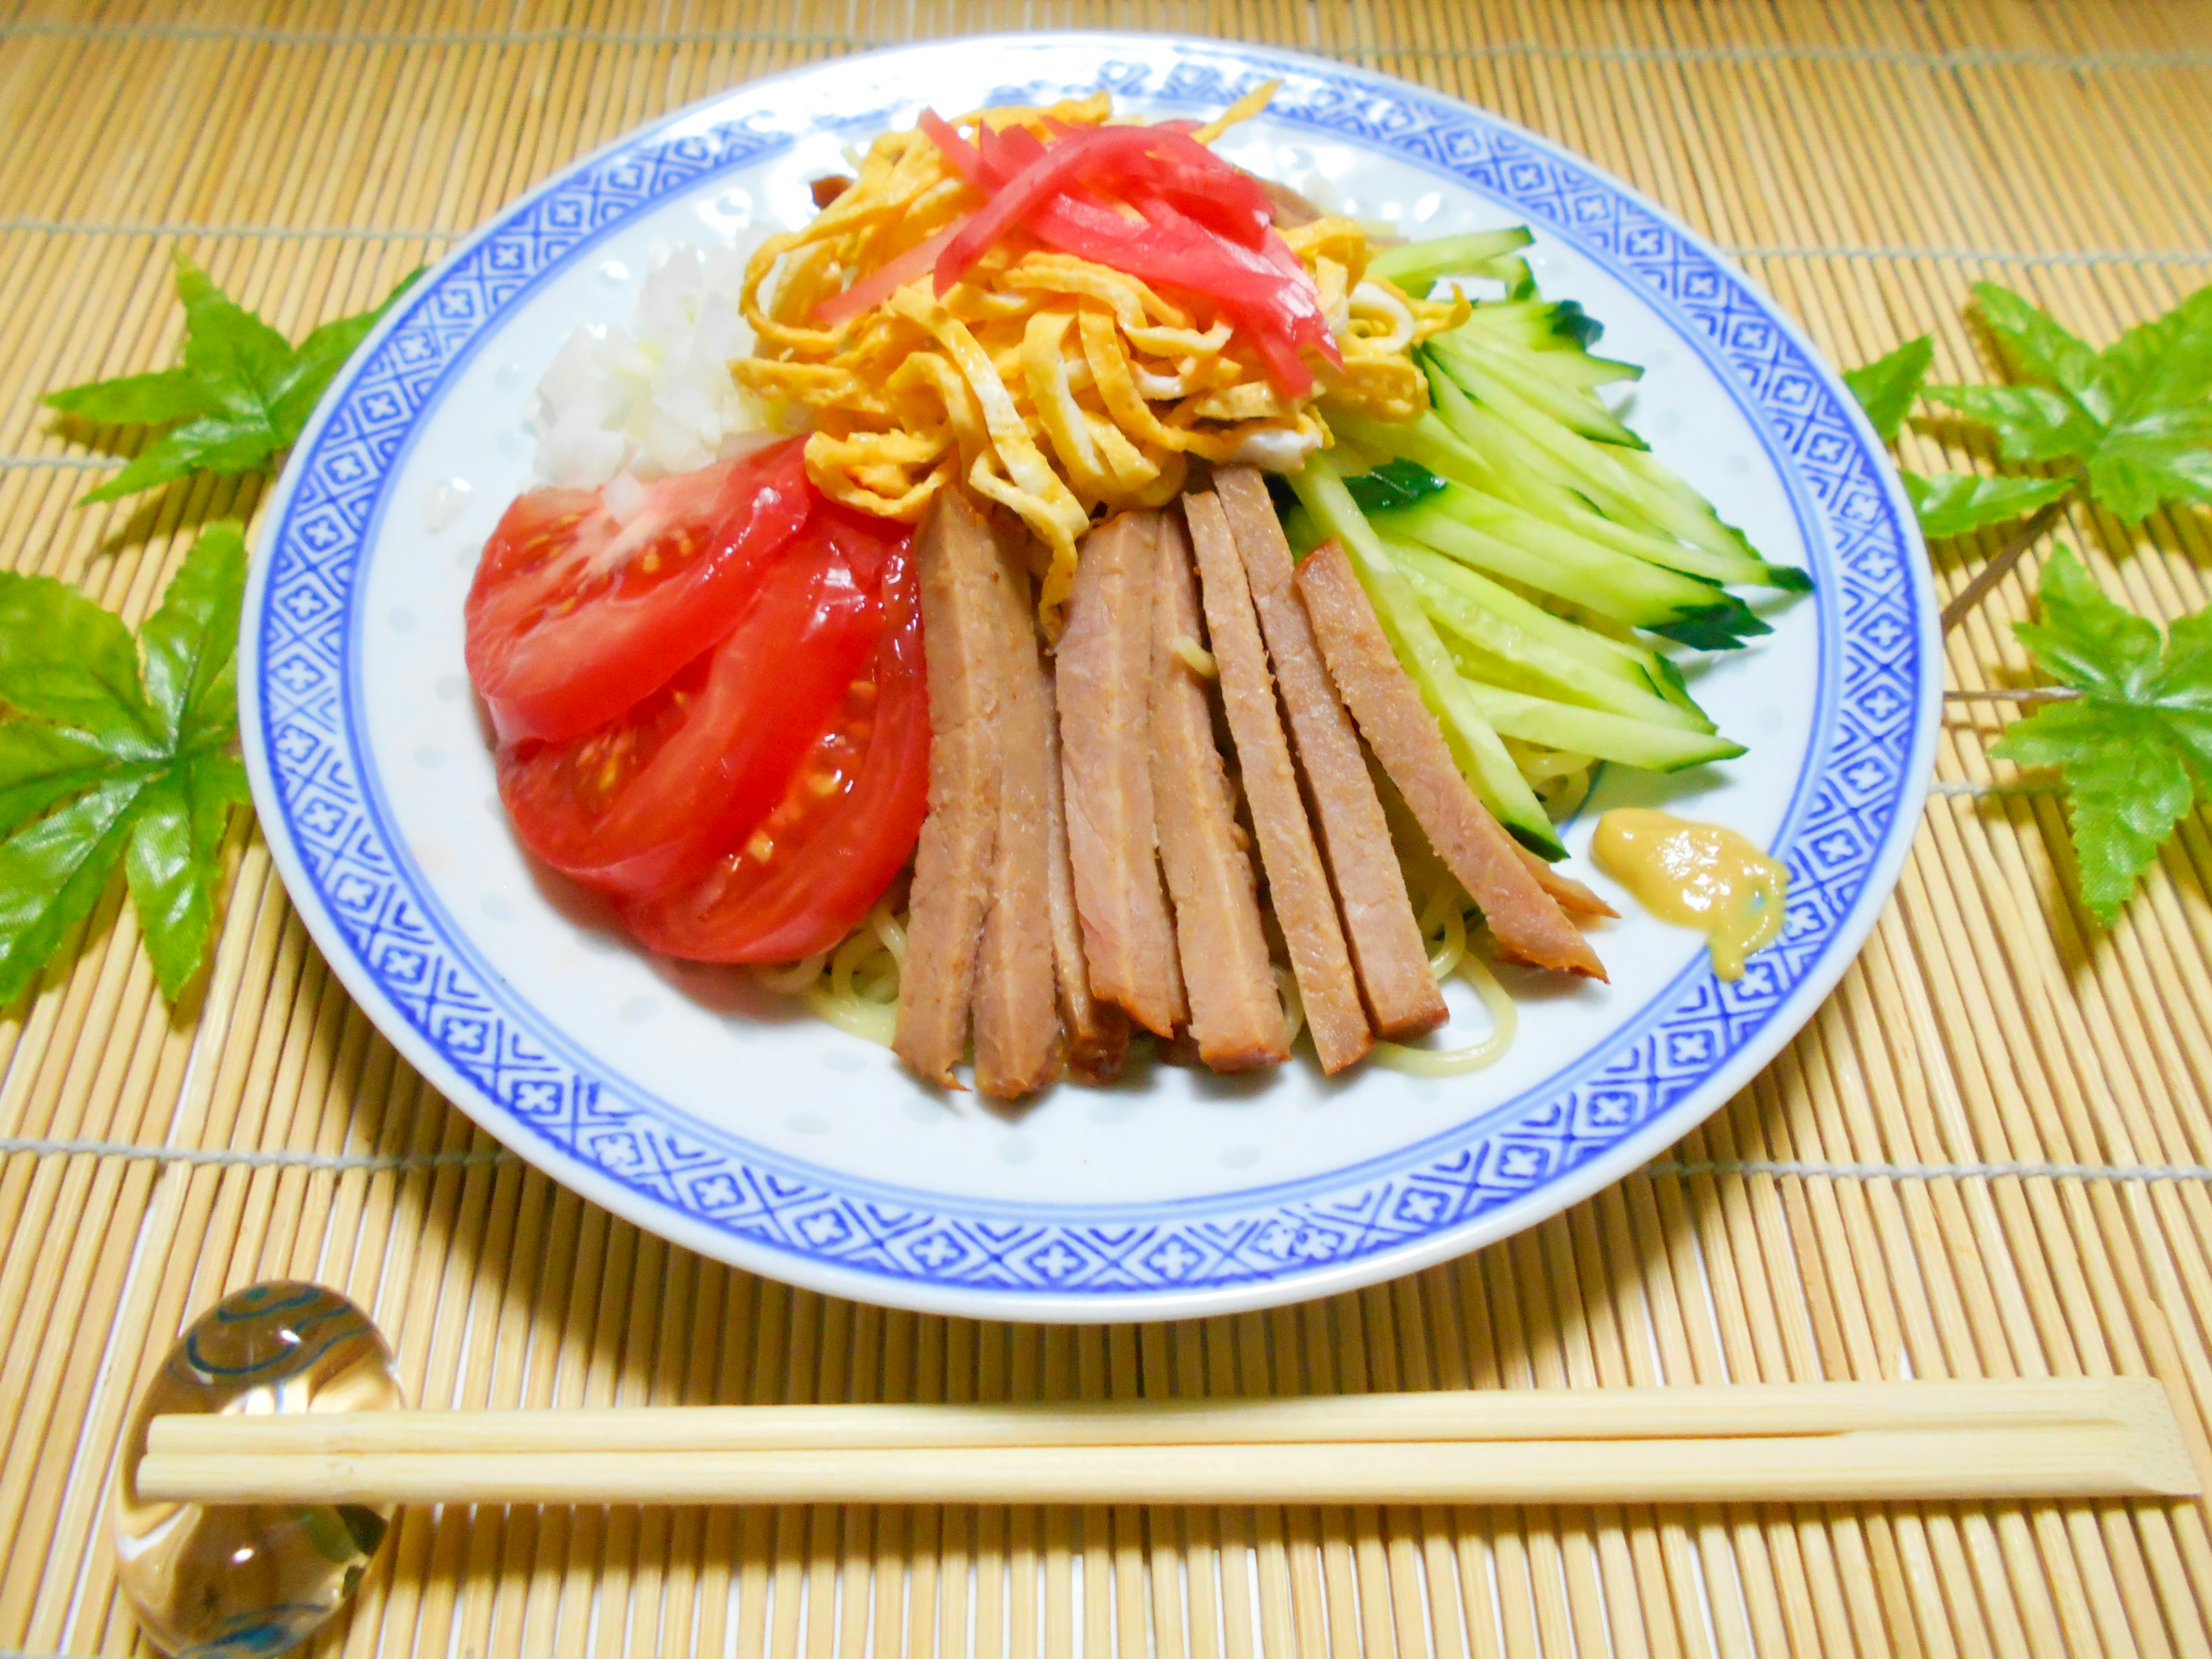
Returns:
point(2134, 747)
point(1954, 503)
point(1886, 387)
point(242, 396)
point(2136, 416)
point(116, 752)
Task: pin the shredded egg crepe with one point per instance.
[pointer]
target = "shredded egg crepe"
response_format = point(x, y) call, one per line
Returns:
point(1061, 388)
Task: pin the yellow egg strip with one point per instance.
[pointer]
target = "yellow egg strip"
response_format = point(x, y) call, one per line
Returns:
point(1045, 374)
point(1058, 387)
point(1030, 486)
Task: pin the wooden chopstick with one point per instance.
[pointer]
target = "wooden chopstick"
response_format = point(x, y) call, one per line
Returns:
point(1728, 1411)
point(1830, 1442)
point(2047, 1460)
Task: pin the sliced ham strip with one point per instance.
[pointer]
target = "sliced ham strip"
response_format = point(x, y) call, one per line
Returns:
point(1103, 683)
point(1235, 1016)
point(1297, 886)
point(1379, 923)
point(1018, 1035)
point(961, 608)
point(1574, 898)
point(1523, 917)
point(1097, 1032)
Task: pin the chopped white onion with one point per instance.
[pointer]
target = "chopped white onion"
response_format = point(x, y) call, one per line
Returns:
point(657, 401)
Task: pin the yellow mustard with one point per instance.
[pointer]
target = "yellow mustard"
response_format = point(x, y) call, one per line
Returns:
point(1696, 875)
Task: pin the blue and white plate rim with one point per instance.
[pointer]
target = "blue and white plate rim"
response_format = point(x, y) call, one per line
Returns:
point(1847, 833)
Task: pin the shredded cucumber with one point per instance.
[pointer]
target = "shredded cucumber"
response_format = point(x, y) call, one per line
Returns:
point(1532, 475)
point(1481, 532)
point(1593, 732)
point(1443, 589)
point(1528, 376)
point(1417, 266)
point(1521, 542)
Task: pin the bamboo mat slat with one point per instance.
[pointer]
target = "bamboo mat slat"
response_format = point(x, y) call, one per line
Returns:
point(1989, 1154)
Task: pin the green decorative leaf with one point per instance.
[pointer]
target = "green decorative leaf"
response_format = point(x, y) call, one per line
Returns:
point(97, 768)
point(1953, 504)
point(190, 640)
point(2156, 390)
point(52, 873)
point(2033, 343)
point(175, 856)
point(208, 445)
point(42, 765)
point(169, 394)
point(2136, 416)
point(63, 658)
point(242, 396)
point(2032, 422)
point(1886, 387)
point(2135, 747)
point(240, 362)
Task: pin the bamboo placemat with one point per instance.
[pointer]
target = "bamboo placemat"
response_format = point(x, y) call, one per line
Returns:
point(1989, 1154)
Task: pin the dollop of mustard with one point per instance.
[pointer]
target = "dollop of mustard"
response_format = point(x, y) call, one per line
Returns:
point(1696, 875)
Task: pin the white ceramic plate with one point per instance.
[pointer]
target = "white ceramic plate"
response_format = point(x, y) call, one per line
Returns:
point(712, 1114)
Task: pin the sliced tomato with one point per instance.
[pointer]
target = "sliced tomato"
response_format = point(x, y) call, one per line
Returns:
point(810, 870)
point(650, 798)
point(574, 616)
point(865, 543)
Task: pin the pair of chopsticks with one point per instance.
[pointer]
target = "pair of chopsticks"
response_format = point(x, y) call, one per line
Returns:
point(2070, 1437)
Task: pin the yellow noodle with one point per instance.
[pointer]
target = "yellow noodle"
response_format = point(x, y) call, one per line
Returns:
point(794, 979)
point(1458, 1062)
point(861, 993)
point(1444, 925)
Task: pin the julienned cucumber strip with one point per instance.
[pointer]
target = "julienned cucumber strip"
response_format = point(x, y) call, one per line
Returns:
point(1490, 536)
point(1578, 371)
point(1482, 759)
point(1394, 483)
point(1433, 443)
point(1590, 732)
point(1428, 441)
point(1560, 325)
point(1549, 486)
point(1623, 484)
point(1562, 334)
point(1415, 266)
point(1527, 499)
point(1624, 661)
point(1543, 668)
point(1483, 613)
point(1594, 470)
point(1533, 481)
point(1524, 374)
